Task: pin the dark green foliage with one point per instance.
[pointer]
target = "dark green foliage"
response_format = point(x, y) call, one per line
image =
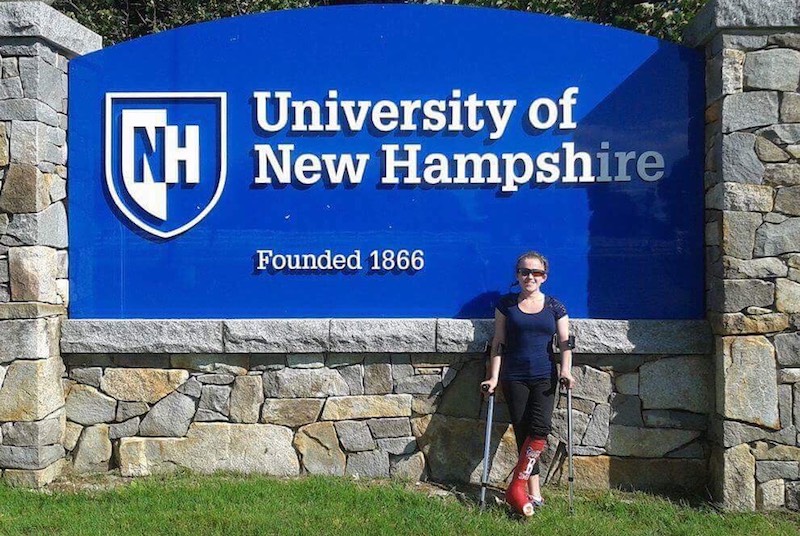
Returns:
point(120, 20)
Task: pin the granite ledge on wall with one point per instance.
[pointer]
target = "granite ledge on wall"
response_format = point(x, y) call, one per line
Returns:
point(664, 337)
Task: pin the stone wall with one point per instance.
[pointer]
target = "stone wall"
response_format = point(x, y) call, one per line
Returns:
point(753, 245)
point(36, 43)
point(315, 397)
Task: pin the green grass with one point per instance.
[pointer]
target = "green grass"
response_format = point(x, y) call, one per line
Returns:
point(233, 505)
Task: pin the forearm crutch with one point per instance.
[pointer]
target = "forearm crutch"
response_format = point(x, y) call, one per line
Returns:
point(570, 469)
point(487, 443)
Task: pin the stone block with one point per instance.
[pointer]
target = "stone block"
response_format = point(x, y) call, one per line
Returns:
point(646, 442)
point(747, 387)
point(738, 233)
point(339, 408)
point(627, 384)
point(462, 397)
point(128, 428)
point(292, 412)
point(654, 475)
point(787, 200)
point(32, 273)
point(409, 467)
point(782, 174)
point(770, 495)
point(733, 295)
point(384, 335)
point(30, 458)
point(192, 388)
point(27, 109)
point(580, 422)
point(641, 336)
point(28, 339)
point(747, 110)
point(789, 375)
point(683, 383)
point(792, 495)
point(33, 434)
point(27, 311)
point(86, 406)
point(768, 267)
point(776, 239)
point(87, 375)
point(216, 398)
point(41, 81)
point(777, 69)
point(304, 383)
point(390, 427)
point(734, 433)
point(463, 335)
point(141, 336)
point(771, 470)
point(34, 478)
point(377, 375)
point(398, 445)
point(626, 410)
point(453, 448)
point(783, 134)
point(72, 432)
point(769, 152)
point(31, 390)
point(93, 453)
point(370, 464)
point(740, 197)
point(787, 296)
point(787, 349)
point(592, 384)
point(45, 228)
point(215, 379)
point(353, 375)
point(319, 450)
point(246, 399)
point(790, 108)
point(277, 336)
point(37, 19)
point(420, 384)
point(763, 450)
point(24, 189)
point(354, 436)
point(740, 163)
point(141, 384)
point(741, 324)
point(212, 447)
point(170, 417)
point(597, 430)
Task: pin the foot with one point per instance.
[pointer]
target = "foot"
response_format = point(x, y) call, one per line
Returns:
point(537, 502)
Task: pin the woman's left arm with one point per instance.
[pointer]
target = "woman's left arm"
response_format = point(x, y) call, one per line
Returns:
point(565, 376)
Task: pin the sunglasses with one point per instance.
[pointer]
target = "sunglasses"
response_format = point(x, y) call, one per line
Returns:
point(525, 272)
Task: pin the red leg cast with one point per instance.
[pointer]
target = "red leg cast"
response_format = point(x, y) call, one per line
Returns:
point(517, 491)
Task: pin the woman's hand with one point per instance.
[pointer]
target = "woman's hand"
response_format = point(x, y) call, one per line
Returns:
point(489, 386)
point(566, 380)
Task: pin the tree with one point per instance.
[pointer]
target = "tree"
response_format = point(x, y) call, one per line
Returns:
point(120, 20)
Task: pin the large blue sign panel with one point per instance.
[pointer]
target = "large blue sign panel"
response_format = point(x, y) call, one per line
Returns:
point(385, 161)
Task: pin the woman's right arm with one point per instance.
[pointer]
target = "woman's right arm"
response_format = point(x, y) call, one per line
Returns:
point(498, 343)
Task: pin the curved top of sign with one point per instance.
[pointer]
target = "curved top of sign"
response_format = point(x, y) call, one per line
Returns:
point(385, 161)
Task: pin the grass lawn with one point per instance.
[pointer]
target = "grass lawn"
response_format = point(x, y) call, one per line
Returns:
point(233, 505)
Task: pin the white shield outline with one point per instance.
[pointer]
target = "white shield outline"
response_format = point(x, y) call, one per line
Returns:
point(222, 96)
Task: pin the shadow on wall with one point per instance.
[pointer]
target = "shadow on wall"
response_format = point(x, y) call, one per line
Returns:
point(632, 264)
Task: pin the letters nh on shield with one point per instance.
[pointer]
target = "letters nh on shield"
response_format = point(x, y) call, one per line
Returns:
point(165, 157)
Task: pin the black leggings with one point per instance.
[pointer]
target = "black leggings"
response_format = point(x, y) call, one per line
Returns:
point(530, 404)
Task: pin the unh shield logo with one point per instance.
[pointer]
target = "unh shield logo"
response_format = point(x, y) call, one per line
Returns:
point(165, 157)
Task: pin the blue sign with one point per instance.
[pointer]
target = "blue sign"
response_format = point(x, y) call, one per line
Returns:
point(385, 161)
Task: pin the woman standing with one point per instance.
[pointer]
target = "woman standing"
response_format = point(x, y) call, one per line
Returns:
point(524, 327)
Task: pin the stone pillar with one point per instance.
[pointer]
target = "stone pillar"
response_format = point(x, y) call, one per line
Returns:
point(752, 237)
point(36, 43)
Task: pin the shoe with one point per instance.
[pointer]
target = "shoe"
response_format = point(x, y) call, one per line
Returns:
point(537, 503)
